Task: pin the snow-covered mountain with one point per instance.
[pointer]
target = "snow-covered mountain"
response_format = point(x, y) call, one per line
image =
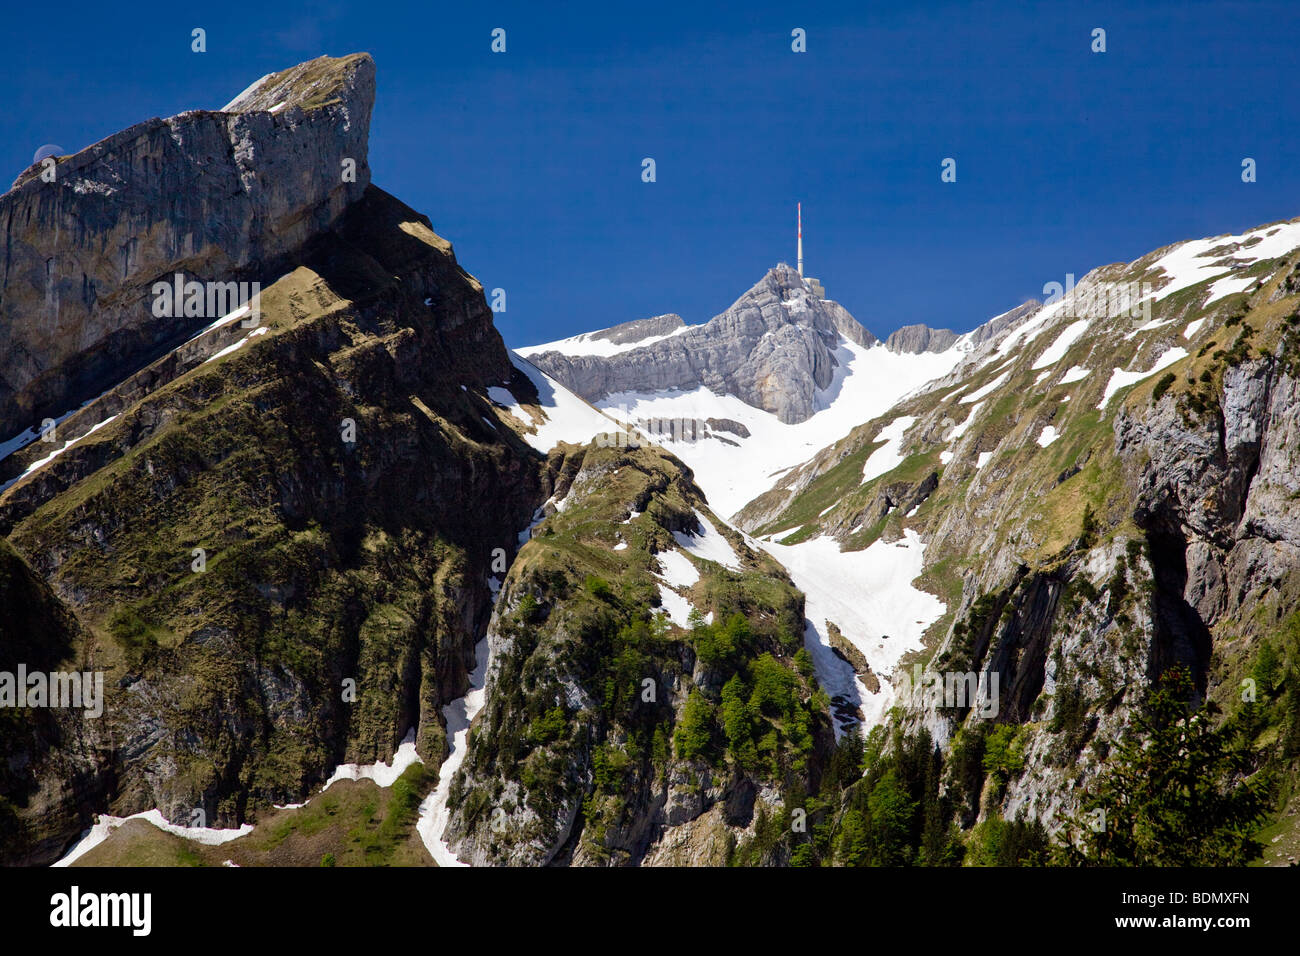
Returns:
point(756, 390)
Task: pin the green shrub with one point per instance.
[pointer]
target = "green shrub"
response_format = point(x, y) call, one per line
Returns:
point(1162, 386)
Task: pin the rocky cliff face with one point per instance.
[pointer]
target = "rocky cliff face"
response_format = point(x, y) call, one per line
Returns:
point(920, 338)
point(611, 737)
point(774, 348)
point(1105, 493)
point(276, 543)
point(338, 480)
point(217, 196)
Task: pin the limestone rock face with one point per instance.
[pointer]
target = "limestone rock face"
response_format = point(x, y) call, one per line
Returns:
point(639, 329)
point(774, 348)
point(914, 339)
point(215, 195)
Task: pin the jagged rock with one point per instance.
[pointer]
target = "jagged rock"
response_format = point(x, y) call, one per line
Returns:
point(774, 348)
point(215, 195)
point(728, 425)
point(1007, 320)
point(914, 339)
point(639, 329)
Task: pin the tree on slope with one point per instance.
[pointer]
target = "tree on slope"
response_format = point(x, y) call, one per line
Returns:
point(1179, 791)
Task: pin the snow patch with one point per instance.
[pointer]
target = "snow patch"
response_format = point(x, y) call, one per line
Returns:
point(678, 570)
point(384, 774)
point(1056, 351)
point(961, 429)
point(106, 824)
point(976, 395)
point(590, 343)
point(675, 606)
point(434, 815)
point(1190, 262)
point(867, 382)
point(1122, 379)
point(708, 544)
point(889, 456)
point(568, 417)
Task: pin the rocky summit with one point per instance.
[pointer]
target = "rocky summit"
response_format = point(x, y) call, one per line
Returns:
point(214, 195)
point(773, 348)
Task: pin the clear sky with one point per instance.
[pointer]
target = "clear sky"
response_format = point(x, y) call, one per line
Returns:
point(530, 161)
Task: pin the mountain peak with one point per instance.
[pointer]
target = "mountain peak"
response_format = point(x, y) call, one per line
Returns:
point(217, 196)
point(774, 348)
point(314, 84)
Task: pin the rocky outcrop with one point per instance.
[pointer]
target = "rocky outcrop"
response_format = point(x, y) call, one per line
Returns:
point(774, 349)
point(215, 195)
point(914, 339)
point(1001, 323)
point(579, 756)
point(639, 329)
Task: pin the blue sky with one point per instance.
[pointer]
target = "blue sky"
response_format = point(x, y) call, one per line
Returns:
point(530, 161)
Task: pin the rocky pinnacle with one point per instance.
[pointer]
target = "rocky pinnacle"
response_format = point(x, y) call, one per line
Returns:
point(218, 195)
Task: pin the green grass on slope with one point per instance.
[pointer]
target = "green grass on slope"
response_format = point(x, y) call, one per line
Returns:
point(353, 823)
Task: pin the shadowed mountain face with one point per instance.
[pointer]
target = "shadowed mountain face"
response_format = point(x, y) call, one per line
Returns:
point(774, 348)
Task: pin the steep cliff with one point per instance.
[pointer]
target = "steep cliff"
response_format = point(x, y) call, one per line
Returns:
point(274, 543)
point(616, 736)
point(216, 195)
point(1103, 491)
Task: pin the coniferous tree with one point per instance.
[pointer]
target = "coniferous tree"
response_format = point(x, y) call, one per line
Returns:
point(1177, 792)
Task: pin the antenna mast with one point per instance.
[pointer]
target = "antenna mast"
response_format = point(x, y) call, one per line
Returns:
point(799, 207)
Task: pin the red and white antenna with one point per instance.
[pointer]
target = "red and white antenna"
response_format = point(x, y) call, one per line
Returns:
point(799, 207)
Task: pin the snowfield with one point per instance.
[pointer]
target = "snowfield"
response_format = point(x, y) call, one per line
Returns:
point(870, 597)
point(1191, 262)
point(867, 383)
point(589, 343)
point(568, 417)
point(1120, 379)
